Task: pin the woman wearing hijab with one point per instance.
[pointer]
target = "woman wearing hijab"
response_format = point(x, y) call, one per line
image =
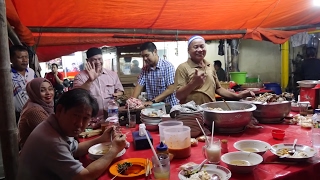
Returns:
point(37, 109)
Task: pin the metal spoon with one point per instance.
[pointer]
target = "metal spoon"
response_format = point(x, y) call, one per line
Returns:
point(293, 150)
point(199, 167)
point(226, 104)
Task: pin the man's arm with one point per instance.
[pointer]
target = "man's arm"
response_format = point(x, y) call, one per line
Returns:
point(58, 78)
point(137, 90)
point(96, 168)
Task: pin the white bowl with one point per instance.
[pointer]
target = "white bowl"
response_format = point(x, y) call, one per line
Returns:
point(94, 151)
point(241, 162)
point(255, 146)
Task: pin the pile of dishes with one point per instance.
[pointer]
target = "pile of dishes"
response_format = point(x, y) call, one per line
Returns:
point(151, 118)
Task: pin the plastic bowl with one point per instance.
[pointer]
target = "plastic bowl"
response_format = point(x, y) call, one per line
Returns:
point(241, 162)
point(255, 146)
point(278, 134)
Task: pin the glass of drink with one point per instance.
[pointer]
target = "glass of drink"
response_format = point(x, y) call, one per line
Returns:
point(212, 151)
point(164, 172)
point(303, 107)
point(132, 121)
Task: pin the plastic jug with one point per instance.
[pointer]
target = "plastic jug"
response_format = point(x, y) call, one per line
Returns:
point(178, 140)
point(166, 124)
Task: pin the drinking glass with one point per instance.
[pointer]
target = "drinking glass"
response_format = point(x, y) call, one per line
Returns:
point(212, 151)
point(164, 172)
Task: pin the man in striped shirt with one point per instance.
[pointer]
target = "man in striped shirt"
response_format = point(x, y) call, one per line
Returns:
point(157, 76)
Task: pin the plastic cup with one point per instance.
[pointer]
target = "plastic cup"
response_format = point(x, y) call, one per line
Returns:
point(178, 140)
point(167, 124)
point(303, 107)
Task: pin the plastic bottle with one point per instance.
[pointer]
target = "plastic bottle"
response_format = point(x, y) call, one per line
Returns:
point(113, 108)
point(162, 148)
point(316, 129)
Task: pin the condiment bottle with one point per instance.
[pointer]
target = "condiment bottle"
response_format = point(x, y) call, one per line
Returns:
point(224, 146)
point(162, 149)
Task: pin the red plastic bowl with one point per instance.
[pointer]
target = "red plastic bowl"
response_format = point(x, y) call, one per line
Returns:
point(278, 134)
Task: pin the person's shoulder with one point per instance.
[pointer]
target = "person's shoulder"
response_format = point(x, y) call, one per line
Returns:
point(30, 70)
point(167, 63)
point(183, 65)
point(107, 71)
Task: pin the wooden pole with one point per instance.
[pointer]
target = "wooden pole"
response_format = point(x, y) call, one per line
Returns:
point(8, 126)
point(158, 31)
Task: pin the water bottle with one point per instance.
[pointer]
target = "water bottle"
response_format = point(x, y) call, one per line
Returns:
point(113, 108)
point(316, 129)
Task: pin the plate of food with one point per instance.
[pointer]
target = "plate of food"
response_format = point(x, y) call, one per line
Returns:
point(153, 113)
point(98, 150)
point(302, 153)
point(130, 167)
point(207, 172)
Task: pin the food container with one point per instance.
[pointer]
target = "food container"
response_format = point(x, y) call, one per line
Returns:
point(241, 162)
point(308, 83)
point(278, 134)
point(227, 121)
point(178, 140)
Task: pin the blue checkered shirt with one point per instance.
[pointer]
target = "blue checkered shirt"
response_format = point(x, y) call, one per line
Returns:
point(157, 80)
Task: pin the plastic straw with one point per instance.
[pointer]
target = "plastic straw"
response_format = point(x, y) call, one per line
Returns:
point(152, 148)
point(205, 136)
point(128, 115)
point(212, 131)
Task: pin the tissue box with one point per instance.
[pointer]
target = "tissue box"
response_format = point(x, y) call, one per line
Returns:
point(141, 142)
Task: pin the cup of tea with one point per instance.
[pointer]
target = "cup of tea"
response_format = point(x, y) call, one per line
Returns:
point(212, 151)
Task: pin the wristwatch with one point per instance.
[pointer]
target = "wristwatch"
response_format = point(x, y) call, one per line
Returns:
point(153, 101)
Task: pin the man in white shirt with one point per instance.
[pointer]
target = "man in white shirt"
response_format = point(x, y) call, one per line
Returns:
point(21, 74)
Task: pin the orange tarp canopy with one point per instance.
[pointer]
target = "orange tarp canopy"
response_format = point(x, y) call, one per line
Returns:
point(254, 16)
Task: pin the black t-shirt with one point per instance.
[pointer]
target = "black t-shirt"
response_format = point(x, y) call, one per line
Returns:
point(310, 69)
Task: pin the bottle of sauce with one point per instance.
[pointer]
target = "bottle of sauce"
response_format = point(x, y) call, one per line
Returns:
point(224, 146)
point(162, 149)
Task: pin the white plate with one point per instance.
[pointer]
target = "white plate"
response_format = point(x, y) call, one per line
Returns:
point(222, 172)
point(148, 111)
point(92, 151)
point(308, 150)
point(253, 89)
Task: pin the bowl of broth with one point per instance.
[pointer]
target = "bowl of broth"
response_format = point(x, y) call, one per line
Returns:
point(241, 162)
point(254, 146)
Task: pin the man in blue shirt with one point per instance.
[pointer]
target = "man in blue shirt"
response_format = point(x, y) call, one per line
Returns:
point(157, 76)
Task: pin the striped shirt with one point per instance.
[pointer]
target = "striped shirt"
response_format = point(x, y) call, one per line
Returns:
point(157, 80)
point(19, 83)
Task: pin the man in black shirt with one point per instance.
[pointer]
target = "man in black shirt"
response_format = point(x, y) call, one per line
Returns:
point(310, 67)
point(220, 72)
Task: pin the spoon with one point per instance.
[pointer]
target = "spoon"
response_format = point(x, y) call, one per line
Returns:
point(226, 104)
point(293, 150)
point(199, 167)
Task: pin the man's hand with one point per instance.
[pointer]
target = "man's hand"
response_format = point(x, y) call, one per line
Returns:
point(119, 142)
point(91, 72)
point(147, 103)
point(245, 94)
point(198, 79)
point(107, 134)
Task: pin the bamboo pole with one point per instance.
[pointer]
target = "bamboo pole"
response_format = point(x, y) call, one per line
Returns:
point(157, 31)
point(8, 127)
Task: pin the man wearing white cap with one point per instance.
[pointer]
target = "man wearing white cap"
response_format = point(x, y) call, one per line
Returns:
point(196, 79)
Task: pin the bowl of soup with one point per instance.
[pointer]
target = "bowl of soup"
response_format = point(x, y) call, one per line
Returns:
point(255, 146)
point(241, 162)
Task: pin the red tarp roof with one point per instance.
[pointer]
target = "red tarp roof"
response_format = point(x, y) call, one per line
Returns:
point(255, 16)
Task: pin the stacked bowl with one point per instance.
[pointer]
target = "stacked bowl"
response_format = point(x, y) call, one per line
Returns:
point(151, 118)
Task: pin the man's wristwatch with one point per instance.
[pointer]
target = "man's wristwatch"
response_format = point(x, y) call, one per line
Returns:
point(153, 101)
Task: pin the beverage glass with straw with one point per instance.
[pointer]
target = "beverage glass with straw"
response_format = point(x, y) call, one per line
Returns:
point(161, 167)
point(212, 151)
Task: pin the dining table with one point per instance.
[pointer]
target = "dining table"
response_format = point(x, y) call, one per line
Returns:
point(308, 170)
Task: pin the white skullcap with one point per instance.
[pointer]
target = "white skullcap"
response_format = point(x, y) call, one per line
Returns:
point(193, 38)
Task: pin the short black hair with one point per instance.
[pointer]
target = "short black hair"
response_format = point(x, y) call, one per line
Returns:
point(54, 64)
point(217, 63)
point(15, 48)
point(311, 52)
point(77, 97)
point(150, 46)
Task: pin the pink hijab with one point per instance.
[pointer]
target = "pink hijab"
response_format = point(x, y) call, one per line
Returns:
point(33, 89)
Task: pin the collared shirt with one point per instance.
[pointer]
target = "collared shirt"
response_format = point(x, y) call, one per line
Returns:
point(48, 154)
point(157, 80)
point(203, 94)
point(102, 88)
point(52, 79)
point(19, 83)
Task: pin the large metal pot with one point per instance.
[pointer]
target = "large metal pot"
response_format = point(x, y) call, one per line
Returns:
point(273, 112)
point(227, 121)
point(308, 83)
